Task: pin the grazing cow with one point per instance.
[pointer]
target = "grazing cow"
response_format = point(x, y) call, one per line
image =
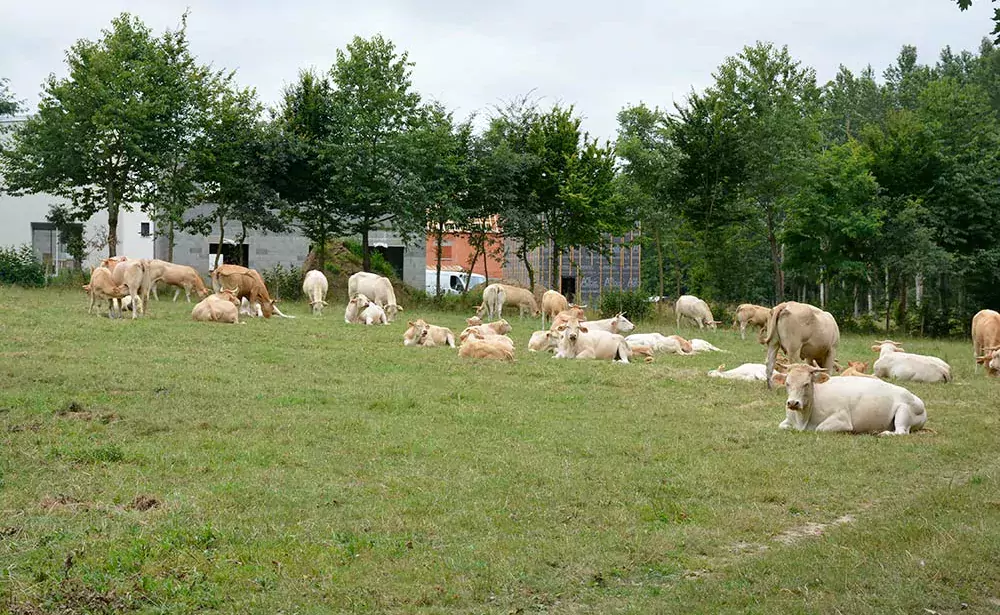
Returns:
point(986, 340)
point(102, 286)
point(374, 314)
point(420, 333)
point(749, 372)
point(894, 362)
point(618, 324)
point(249, 284)
point(755, 315)
point(219, 307)
point(377, 288)
point(543, 341)
point(357, 304)
point(522, 298)
point(553, 302)
point(494, 296)
point(857, 368)
point(314, 287)
point(181, 277)
point(576, 341)
point(667, 344)
point(575, 312)
point(817, 402)
point(490, 348)
point(134, 274)
point(702, 346)
point(689, 306)
point(804, 333)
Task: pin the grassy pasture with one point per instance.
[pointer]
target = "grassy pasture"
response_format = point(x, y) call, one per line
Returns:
point(308, 466)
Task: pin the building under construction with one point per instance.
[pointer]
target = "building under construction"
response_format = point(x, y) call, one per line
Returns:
point(583, 274)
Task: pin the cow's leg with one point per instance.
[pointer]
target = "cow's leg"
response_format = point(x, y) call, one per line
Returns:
point(156, 294)
point(838, 422)
point(93, 300)
point(743, 330)
point(902, 421)
point(678, 320)
point(177, 293)
point(772, 355)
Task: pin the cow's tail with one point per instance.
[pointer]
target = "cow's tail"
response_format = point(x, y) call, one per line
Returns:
point(772, 323)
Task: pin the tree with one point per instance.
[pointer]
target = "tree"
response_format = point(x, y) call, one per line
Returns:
point(229, 153)
point(375, 108)
point(8, 104)
point(303, 173)
point(98, 133)
point(443, 174)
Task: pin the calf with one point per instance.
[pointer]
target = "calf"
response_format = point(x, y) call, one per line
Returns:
point(357, 304)
point(220, 307)
point(749, 372)
point(102, 286)
point(698, 345)
point(657, 342)
point(856, 368)
point(420, 333)
point(374, 314)
point(576, 341)
point(486, 349)
point(575, 312)
point(749, 314)
point(378, 288)
point(817, 402)
point(894, 362)
point(543, 341)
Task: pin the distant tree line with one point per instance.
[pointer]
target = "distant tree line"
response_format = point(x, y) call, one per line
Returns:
point(867, 195)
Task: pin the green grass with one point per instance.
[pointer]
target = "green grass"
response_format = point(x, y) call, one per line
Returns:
point(308, 466)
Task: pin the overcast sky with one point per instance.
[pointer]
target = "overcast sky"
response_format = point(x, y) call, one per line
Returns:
point(471, 55)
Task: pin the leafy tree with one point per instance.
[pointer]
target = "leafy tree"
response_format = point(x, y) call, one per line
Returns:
point(8, 104)
point(375, 107)
point(229, 153)
point(303, 173)
point(98, 133)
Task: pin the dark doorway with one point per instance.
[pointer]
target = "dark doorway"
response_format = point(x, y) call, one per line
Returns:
point(232, 254)
point(568, 288)
point(394, 256)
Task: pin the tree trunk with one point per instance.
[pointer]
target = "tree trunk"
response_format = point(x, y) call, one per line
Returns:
point(475, 259)
point(170, 241)
point(112, 224)
point(659, 260)
point(222, 237)
point(918, 283)
point(779, 278)
point(822, 288)
point(902, 301)
point(556, 270)
point(439, 244)
point(366, 257)
point(486, 256)
point(888, 298)
point(527, 265)
point(857, 307)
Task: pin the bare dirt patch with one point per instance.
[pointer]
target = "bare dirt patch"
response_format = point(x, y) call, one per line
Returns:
point(63, 502)
point(143, 503)
point(809, 530)
point(75, 410)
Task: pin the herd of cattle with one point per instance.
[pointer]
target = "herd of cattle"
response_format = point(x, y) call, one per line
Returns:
point(807, 336)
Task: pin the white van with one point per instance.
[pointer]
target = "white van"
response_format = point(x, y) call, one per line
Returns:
point(452, 282)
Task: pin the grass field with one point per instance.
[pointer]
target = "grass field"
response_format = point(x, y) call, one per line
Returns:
point(308, 466)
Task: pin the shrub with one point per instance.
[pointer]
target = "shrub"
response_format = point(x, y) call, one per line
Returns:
point(633, 302)
point(379, 264)
point(69, 278)
point(20, 266)
point(284, 283)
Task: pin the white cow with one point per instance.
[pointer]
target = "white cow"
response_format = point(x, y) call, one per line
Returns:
point(543, 341)
point(893, 362)
point(377, 288)
point(357, 304)
point(817, 402)
point(689, 306)
point(314, 287)
point(576, 341)
point(657, 342)
point(702, 346)
point(618, 324)
point(748, 371)
point(374, 315)
point(494, 297)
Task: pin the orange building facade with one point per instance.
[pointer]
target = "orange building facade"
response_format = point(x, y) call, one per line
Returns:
point(457, 252)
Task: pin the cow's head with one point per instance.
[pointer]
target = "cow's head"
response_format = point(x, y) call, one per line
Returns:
point(231, 296)
point(317, 306)
point(571, 331)
point(500, 327)
point(620, 324)
point(712, 324)
point(475, 321)
point(481, 310)
point(203, 292)
point(887, 346)
point(799, 380)
point(991, 360)
point(858, 366)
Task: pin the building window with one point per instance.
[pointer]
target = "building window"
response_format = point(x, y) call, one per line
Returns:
point(144, 229)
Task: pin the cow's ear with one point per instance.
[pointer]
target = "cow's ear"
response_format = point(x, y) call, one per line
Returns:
point(980, 360)
point(876, 348)
point(778, 378)
point(583, 329)
point(410, 323)
point(399, 308)
point(820, 377)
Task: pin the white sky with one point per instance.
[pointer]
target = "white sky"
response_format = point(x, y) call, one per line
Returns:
point(599, 56)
